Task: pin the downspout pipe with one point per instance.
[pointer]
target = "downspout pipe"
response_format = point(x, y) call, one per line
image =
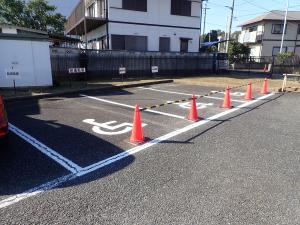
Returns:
point(107, 26)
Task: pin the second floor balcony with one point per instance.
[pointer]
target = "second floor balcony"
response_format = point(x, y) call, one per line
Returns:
point(251, 37)
point(87, 16)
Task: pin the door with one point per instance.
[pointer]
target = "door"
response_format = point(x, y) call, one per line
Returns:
point(184, 45)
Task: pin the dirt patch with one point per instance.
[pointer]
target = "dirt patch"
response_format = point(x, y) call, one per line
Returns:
point(223, 81)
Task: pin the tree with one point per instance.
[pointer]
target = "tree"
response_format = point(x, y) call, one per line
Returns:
point(12, 12)
point(284, 57)
point(35, 14)
point(236, 51)
point(211, 36)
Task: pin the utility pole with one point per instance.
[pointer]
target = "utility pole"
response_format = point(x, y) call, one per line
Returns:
point(200, 31)
point(284, 26)
point(84, 22)
point(107, 23)
point(204, 24)
point(230, 24)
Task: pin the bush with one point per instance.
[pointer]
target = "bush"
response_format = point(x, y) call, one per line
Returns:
point(285, 56)
point(237, 51)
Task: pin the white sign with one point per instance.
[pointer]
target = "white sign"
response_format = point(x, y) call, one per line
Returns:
point(76, 70)
point(12, 74)
point(154, 69)
point(109, 129)
point(122, 70)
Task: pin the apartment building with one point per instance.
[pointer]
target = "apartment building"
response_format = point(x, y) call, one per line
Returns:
point(137, 25)
point(263, 34)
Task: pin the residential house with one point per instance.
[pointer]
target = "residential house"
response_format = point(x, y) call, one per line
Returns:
point(137, 25)
point(263, 34)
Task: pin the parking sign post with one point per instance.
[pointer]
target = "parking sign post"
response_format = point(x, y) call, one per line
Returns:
point(13, 74)
point(75, 71)
point(122, 71)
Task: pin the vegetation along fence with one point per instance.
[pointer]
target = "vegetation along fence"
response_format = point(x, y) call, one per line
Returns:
point(106, 64)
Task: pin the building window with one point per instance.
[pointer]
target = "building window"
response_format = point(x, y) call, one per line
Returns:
point(181, 7)
point(129, 42)
point(277, 29)
point(137, 5)
point(164, 44)
point(254, 28)
point(102, 41)
point(184, 45)
point(276, 50)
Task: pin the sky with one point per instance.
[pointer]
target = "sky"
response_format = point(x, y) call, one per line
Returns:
point(217, 13)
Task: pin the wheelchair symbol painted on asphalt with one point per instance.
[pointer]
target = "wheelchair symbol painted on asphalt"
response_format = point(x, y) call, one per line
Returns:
point(108, 128)
point(187, 105)
point(235, 94)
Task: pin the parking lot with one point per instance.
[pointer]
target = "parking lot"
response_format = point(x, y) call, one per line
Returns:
point(60, 139)
point(58, 133)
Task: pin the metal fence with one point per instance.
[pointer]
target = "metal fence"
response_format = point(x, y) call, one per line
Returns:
point(106, 64)
point(272, 65)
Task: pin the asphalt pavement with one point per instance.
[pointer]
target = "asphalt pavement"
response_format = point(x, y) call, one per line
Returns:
point(70, 160)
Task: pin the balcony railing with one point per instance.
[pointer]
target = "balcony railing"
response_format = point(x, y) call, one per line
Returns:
point(82, 16)
point(251, 37)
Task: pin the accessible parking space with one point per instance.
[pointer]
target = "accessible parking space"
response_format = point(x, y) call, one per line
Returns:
point(84, 129)
point(78, 134)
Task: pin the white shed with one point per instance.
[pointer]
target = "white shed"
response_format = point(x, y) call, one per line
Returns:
point(24, 57)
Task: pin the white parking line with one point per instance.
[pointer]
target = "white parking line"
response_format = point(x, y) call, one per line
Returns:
point(66, 163)
point(187, 94)
point(89, 169)
point(37, 190)
point(133, 107)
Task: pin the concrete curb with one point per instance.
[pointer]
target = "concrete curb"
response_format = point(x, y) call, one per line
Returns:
point(42, 96)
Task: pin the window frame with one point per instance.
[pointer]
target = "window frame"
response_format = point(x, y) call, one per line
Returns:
point(180, 6)
point(182, 41)
point(135, 8)
point(128, 38)
point(276, 24)
point(162, 47)
point(278, 47)
point(253, 28)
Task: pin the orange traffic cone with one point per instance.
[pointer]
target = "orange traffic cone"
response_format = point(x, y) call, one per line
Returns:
point(227, 101)
point(249, 95)
point(137, 135)
point(264, 89)
point(193, 113)
point(265, 68)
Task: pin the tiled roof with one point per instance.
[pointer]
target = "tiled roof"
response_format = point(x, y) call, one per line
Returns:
point(274, 15)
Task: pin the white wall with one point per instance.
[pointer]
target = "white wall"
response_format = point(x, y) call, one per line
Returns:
point(30, 58)
point(292, 39)
point(9, 30)
point(153, 33)
point(255, 51)
point(158, 13)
